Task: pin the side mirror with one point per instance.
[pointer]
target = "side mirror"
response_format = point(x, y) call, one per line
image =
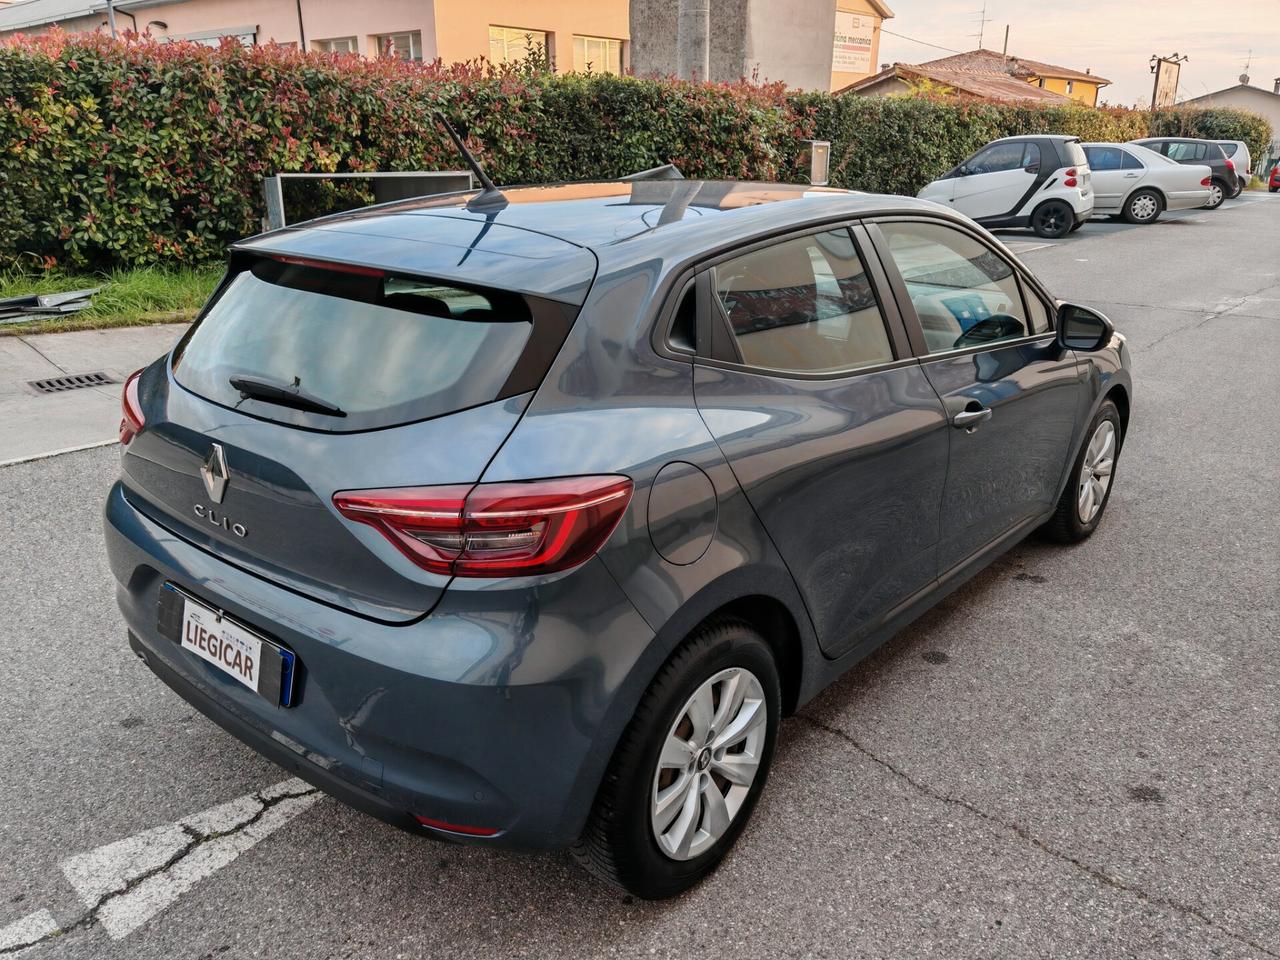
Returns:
point(1081, 328)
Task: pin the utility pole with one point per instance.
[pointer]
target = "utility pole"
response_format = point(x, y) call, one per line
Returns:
point(111, 17)
point(1005, 51)
point(693, 40)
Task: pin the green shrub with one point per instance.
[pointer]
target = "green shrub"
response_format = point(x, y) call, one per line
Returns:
point(137, 153)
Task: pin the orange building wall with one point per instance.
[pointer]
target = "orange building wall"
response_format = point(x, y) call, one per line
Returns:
point(462, 26)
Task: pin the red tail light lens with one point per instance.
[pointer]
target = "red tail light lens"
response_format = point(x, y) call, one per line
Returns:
point(495, 529)
point(1207, 181)
point(1071, 172)
point(1231, 166)
point(1070, 182)
point(329, 265)
point(132, 421)
point(456, 827)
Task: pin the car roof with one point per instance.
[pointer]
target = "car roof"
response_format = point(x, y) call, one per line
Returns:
point(1059, 137)
point(547, 240)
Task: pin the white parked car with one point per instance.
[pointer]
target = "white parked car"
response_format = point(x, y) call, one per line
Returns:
point(1237, 152)
point(1041, 182)
point(1138, 184)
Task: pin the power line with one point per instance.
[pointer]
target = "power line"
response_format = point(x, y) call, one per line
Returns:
point(923, 42)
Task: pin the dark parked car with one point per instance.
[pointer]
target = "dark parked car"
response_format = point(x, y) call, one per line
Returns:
point(524, 521)
point(1225, 182)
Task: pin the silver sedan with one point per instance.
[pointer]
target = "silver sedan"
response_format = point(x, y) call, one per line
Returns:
point(1138, 184)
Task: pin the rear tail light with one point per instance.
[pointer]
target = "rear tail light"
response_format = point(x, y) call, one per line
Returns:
point(330, 265)
point(495, 529)
point(132, 420)
point(1071, 177)
point(1207, 181)
point(1231, 166)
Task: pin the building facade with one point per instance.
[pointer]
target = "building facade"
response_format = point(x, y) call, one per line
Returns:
point(990, 75)
point(806, 44)
point(577, 34)
point(1243, 96)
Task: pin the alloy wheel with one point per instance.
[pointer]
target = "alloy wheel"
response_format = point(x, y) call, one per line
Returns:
point(1144, 207)
point(708, 762)
point(1095, 471)
point(1051, 220)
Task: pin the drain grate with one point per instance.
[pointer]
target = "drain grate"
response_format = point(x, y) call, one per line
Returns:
point(72, 381)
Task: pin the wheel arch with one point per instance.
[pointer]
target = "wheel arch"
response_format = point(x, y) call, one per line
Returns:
point(1119, 395)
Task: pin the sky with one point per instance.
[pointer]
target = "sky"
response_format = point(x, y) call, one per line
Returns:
point(1114, 38)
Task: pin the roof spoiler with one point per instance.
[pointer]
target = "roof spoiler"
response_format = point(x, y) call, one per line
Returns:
point(668, 171)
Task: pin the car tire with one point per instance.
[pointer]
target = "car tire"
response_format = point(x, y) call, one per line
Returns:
point(622, 842)
point(1077, 225)
point(1274, 189)
point(1239, 188)
point(1071, 521)
point(1052, 220)
point(1143, 206)
point(1217, 194)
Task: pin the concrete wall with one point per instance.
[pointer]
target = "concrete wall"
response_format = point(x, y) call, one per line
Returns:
point(765, 40)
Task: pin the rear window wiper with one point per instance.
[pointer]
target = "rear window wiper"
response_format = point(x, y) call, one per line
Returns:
point(286, 395)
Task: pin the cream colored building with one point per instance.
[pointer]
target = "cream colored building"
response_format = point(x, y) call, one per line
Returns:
point(576, 33)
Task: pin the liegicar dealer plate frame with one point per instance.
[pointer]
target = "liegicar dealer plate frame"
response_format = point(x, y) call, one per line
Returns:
point(239, 652)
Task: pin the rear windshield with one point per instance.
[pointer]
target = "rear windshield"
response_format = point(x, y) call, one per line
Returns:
point(344, 351)
point(1076, 153)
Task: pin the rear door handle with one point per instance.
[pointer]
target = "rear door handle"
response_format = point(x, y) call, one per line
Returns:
point(969, 419)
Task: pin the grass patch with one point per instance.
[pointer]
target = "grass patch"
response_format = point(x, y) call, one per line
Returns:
point(128, 298)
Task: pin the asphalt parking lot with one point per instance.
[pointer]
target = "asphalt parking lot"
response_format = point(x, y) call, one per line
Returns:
point(1074, 756)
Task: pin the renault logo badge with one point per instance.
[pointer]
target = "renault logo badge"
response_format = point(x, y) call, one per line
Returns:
point(214, 472)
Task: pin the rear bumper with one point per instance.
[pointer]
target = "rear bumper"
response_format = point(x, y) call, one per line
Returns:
point(499, 710)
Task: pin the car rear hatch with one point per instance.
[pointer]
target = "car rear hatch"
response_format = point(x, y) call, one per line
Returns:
point(305, 376)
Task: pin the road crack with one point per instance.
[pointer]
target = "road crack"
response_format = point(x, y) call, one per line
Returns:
point(196, 839)
point(1025, 834)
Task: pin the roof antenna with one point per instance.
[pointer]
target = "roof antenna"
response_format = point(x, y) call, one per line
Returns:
point(490, 196)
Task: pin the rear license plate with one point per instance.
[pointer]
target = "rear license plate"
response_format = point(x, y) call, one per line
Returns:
point(250, 659)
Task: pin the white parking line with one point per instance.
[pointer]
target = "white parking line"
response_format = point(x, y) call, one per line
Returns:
point(28, 930)
point(132, 880)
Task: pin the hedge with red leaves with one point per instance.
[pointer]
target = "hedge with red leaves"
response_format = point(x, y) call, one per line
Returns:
point(129, 153)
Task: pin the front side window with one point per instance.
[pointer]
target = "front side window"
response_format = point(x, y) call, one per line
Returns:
point(964, 293)
point(803, 305)
point(401, 46)
point(511, 44)
point(996, 159)
point(597, 54)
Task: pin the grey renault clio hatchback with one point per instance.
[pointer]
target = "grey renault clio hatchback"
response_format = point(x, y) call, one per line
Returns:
point(522, 520)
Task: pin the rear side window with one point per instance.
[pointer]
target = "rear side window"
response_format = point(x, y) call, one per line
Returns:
point(1128, 161)
point(804, 305)
point(1104, 158)
point(1186, 152)
point(1228, 148)
point(361, 349)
